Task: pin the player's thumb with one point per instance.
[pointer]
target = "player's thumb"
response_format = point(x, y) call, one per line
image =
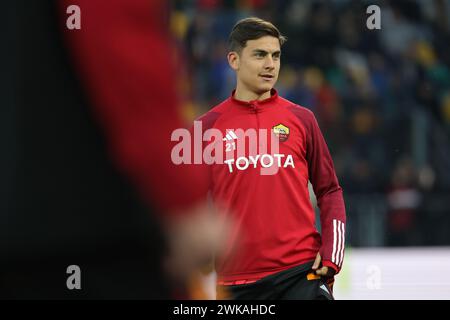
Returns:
point(316, 263)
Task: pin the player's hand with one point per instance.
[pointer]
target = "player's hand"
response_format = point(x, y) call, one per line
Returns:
point(322, 271)
point(194, 238)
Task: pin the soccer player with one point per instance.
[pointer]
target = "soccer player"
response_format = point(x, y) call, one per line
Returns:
point(275, 249)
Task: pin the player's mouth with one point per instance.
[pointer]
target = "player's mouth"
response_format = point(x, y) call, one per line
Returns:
point(267, 76)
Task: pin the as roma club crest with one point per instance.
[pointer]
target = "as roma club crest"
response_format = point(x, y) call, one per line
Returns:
point(281, 131)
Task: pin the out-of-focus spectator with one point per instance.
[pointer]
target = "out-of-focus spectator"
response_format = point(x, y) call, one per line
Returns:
point(404, 199)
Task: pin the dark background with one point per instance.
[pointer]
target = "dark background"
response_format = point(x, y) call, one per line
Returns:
point(382, 99)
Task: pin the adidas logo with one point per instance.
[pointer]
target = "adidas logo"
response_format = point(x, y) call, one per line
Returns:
point(324, 288)
point(230, 136)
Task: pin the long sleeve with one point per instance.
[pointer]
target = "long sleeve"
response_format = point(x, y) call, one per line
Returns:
point(123, 55)
point(329, 197)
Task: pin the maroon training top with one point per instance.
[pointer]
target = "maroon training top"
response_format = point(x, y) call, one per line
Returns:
point(275, 219)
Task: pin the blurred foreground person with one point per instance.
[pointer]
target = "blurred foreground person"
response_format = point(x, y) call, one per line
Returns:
point(89, 179)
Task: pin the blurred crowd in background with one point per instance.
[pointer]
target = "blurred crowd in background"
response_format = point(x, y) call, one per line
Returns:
point(382, 99)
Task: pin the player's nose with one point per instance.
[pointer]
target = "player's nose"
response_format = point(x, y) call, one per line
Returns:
point(269, 64)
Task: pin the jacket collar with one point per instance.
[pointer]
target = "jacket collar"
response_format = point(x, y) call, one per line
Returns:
point(256, 103)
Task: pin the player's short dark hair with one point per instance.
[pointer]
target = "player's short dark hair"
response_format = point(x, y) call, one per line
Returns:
point(251, 29)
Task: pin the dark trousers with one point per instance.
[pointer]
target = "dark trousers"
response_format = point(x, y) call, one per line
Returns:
point(291, 284)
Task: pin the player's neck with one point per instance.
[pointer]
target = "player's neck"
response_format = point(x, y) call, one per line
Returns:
point(247, 95)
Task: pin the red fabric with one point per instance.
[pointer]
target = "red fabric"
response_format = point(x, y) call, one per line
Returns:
point(275, 219)
point(124, 59)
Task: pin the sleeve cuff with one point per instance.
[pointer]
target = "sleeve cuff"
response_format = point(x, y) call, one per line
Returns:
point(329, 264)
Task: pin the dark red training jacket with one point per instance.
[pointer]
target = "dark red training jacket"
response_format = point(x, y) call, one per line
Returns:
point(275, 219)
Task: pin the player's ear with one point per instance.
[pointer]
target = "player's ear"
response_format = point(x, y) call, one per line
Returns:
point(233, 60)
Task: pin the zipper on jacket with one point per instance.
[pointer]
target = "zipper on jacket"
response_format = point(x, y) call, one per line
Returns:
point(255, 110)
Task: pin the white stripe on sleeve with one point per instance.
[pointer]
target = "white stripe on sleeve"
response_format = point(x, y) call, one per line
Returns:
point(338, 254)
point(333, 257)
point(343, 245)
